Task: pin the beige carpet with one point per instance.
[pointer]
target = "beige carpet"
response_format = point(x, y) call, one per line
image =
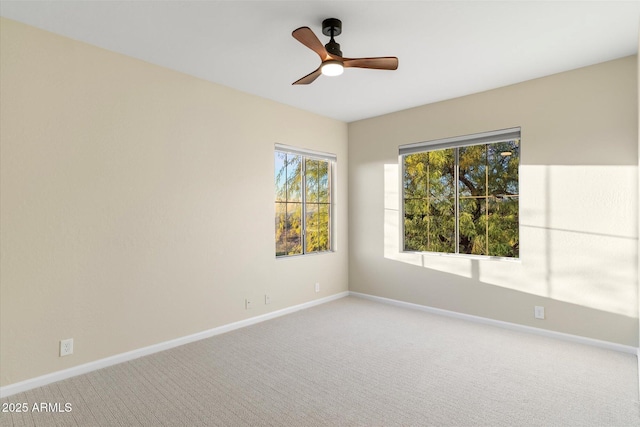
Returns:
point(354, 362)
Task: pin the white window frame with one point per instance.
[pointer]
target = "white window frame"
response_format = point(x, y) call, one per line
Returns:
point(332, 161)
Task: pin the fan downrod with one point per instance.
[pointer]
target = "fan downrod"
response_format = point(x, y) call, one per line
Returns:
point(332, 27)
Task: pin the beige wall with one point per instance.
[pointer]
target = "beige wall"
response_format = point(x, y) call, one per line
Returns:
point(578, 205)
point(137, 204)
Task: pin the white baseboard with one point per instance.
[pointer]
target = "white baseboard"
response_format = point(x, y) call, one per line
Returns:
point(145, 351)
point(506, 325)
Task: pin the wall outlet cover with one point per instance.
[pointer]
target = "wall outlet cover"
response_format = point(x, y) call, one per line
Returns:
point(66, 347)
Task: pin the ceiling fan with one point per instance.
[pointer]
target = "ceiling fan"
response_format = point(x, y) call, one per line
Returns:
point(333, 63)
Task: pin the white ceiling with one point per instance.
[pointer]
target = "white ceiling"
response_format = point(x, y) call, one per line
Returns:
point(446, 48)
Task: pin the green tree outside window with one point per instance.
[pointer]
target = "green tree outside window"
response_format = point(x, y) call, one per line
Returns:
point(303, 204)
point(463, 200)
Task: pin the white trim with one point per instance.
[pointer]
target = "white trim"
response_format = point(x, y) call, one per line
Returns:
point(317, 155)
point(506, 325)
point(461, 141)
point(40, 381)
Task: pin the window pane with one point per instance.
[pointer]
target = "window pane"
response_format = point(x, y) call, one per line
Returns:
point(324, 188)
point(281, 176)
point(472, 170)
point(294, 178)
point(503, 230)
point(429, 201)
point(416, 204)
point(416, 224)
point(317, 227)
point(311, 175)
point(312, 227)
point(416, 169)
point(503, 161)
point(441, 174)
point(324, 231)
point(441, 197)
point(281, 229)
point(473, 226)
point(294, 228)
point(442, 226)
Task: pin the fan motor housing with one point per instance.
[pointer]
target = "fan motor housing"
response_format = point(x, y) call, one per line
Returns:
point(332, 27)
point(333, 48)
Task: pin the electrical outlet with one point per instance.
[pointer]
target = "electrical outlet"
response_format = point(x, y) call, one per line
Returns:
point(248, 304)
point(317, 287)
point(267, 299)
point(538, 312)
point(66, 347)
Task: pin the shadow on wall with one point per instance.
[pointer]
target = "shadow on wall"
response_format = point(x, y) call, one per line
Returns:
point(578, 237)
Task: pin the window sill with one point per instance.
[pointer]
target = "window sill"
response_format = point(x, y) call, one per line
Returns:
point(312, 254)
point(466, 256)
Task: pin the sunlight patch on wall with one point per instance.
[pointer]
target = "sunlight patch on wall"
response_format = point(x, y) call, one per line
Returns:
point(578, 237)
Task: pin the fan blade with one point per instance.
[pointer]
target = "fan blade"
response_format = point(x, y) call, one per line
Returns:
point(305, 36)
point(309, 78)
point(382, 63)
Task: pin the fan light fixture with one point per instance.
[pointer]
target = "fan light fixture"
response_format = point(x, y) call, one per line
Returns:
point(332, 68)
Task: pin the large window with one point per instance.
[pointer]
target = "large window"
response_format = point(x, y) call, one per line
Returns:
point(460, 195)
point(303, 201)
